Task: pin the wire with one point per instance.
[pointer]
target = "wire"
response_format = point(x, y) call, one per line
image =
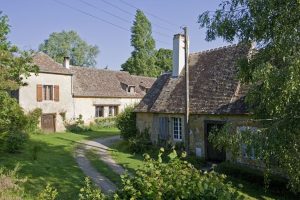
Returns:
point(120, 18)
point(155, 16)
point(98, 18)
point(125, 11)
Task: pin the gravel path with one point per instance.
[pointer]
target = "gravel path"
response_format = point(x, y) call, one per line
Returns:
point(102, 147)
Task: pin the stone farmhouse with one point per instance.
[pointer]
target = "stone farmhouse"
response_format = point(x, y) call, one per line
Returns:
point(216, 96)
point(65, 91)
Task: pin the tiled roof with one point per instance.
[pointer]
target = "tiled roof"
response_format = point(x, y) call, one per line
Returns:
point(48, 65)
point(92, 82)
point(214, 87)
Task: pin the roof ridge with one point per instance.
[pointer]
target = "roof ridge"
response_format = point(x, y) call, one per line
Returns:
point(97, 69)
point(214, 49)
point(133, 75)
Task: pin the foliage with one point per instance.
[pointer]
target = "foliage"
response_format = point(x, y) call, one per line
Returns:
point(142, 60)
point(105, 122)
point(272, 72)
point(140, 143)
point(164, 60)
point(89, 192)
point(10, 184)
point(69, 43)
point(15, 66)
point(126, 122)
point(33, 118)
point(49, 193)
point(176, 179)
point(251, 175)
point(77, 125)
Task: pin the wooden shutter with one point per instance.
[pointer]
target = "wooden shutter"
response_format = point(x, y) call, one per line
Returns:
point(56, 92)
point(39, 92)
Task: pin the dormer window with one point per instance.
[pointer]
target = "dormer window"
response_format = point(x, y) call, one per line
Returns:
point(131, 89)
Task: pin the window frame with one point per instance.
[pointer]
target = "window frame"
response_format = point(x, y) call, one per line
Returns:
point(177, 131)
point(45, 90)
point(97, 111)
point(244, 153)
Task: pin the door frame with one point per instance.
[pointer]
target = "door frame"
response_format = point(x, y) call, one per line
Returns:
point(54, 120)
point(206, 122)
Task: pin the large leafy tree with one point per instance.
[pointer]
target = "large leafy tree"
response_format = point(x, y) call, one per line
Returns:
point(142, 60)
point(69, 43)
point(273, 73)
point(164, 59)
point(15, 65)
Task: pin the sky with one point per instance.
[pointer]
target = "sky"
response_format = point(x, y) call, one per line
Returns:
point(106, 23)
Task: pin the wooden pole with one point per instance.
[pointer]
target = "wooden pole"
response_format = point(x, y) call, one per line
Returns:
point(187, 95)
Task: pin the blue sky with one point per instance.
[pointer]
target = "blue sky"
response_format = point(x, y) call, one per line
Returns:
point(33, 20)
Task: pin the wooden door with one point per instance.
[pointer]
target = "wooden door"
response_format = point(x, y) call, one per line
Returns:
point(213, 154)
point(48, 122)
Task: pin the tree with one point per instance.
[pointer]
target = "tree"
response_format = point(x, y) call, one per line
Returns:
point(142, 60)
point(69, 43)
point(164, 59)
point(15, 66)
point(272, 72)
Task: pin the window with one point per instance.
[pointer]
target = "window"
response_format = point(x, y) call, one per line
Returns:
point(248, 152)
point(99, 111)
point(47, 92)
point(113, 111)
point(131, 89)
point(177, 128)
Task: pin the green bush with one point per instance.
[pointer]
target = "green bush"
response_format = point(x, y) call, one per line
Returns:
point(89, 192)
point(33, 119)
point(251, 175)
point(176, 179)
point(49, 193)
point(140, 143)
point(77, 125)
point(105, 122)
point(126, 122)
point(14, 141)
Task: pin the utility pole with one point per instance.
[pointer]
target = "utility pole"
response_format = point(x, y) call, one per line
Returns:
point(187, 93)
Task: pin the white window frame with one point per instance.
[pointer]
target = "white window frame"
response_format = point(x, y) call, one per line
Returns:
point(177, 128)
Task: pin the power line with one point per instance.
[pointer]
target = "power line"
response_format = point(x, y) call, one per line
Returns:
point(129, 13)
point(120, 18)
point(98, 18)
point(155, 16)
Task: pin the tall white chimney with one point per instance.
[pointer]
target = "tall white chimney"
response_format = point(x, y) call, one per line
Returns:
point(178, 54)
point(66, 62)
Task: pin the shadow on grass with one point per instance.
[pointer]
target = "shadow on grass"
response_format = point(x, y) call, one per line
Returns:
point(55, 163)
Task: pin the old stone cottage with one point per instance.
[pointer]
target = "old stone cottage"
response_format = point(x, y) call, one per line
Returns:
point(65, 90)
point(216, 96)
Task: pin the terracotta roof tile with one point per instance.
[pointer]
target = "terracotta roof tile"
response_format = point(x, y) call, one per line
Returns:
point(214, 87)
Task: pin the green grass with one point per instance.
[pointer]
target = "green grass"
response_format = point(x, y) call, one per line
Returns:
point(135, 161)
point(55, 162)
point(102, 167)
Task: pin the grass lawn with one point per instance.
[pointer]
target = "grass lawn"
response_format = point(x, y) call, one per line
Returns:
point(55, 162)
point(131, 162)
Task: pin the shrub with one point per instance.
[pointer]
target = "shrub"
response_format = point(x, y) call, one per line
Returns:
point(88, 192)
point(126, 122)
point(49, 193)
point(14, 141)
point(10, 184)
point(176, 179)
point(33, 119)
point(76, 126)
point(251, 175)
point(105, 122)
point(140, 143)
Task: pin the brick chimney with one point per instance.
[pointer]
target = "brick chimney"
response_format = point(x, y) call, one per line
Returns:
point(66, 63)
point(178, 54)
